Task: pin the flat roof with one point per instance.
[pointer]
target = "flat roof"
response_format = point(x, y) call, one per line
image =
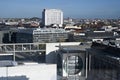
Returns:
point(42, 30)
point(103, 53)
point(75, 48)
point(6, 63)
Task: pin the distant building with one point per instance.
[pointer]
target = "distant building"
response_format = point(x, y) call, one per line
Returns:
point(75, 28)
point(99, 35)
point(91, 36)
point(52, 16)
point(4, 36)
point(41, 35)
point(109, 28)
point(50, 35)
point(11, 23)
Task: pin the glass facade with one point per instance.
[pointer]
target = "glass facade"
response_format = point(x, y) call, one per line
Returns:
point(73, 65)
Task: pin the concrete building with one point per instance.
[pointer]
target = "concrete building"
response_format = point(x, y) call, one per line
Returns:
point(91, 36)
point(50, 35)
point(99, 35)
point(75, 61)
point(36, 52)
point(29, 71)
point(72, 62)
point(4, 36)
point(41, 35)
point(27, 52)
point(52, 16)
point(23, 52)
point(101, 61)
point(104, 61)
point(51, 50)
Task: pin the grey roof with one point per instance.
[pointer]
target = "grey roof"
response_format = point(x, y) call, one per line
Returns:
point(75, 48)
point(99, 34)
point(42, 30)
point(7, 63)
point(103, 54)
point(106, 50)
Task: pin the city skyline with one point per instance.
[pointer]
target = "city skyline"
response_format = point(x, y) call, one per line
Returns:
point(73, 9)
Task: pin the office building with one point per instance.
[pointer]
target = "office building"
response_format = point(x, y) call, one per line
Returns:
point(50, 35)
point(99, 35)
point(52, 16)
point(91, 36)
point(51, 50)
point(26, 55)
point(4, 36)
point(41, 35)
point(104, 61)
point(71, 62)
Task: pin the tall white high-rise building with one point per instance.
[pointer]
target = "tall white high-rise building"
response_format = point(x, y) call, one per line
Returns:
point(52, 16)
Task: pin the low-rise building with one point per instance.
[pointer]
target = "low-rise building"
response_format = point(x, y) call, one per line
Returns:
point(41, 35)
point(28, 71)
point(104, 61)
point(91, 36)
point(72, 62)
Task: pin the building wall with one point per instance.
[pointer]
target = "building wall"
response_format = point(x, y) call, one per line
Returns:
point(103, 67)
point(80, 75)
point(50, 37)
point(1, 37)
point(40, 35)
point(4, 36)
point(52, 16)
point(24, 38)
point(32, 72)
point(51, 50)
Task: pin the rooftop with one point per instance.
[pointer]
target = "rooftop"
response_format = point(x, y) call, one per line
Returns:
point(107, 49)
point(7, 63)
point(42, 30)
point(75, 48)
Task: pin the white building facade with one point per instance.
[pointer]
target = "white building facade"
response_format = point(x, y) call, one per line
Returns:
point(52, 16)
point(30, 71)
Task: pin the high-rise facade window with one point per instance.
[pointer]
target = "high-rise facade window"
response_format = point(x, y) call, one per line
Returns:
point(52, 16)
